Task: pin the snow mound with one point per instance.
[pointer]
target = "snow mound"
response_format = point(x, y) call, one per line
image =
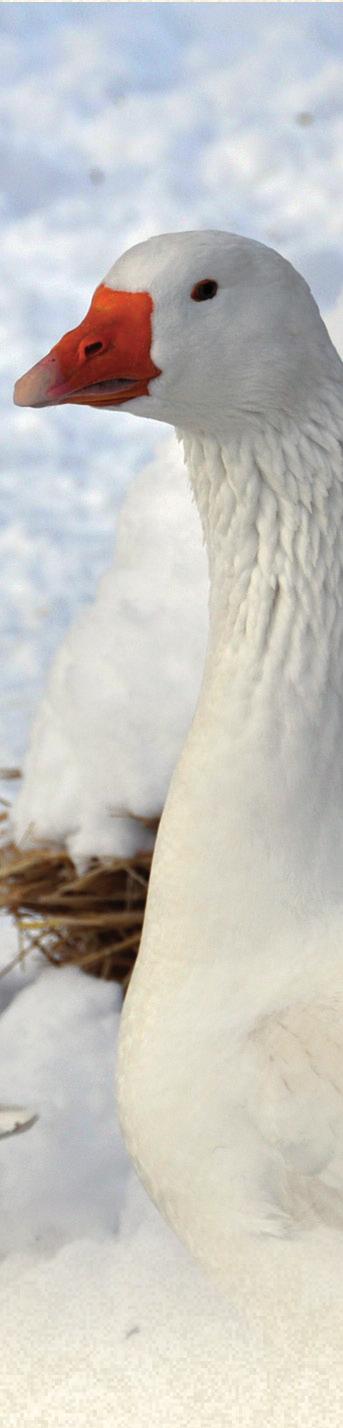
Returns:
point(124, 683)
point(64, 1178)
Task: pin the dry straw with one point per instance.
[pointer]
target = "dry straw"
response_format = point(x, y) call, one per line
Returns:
point(93, 920)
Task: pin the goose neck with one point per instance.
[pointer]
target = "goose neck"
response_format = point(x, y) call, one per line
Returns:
point(272, 514)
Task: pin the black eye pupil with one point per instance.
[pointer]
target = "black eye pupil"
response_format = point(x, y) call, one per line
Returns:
point(204, 290)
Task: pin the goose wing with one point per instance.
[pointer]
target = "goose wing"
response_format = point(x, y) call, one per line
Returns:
point(297, 1105)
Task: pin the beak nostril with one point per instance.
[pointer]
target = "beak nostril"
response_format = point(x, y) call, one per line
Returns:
point(89, 349)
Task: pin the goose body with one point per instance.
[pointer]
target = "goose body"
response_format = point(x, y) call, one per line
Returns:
point(230, 1072)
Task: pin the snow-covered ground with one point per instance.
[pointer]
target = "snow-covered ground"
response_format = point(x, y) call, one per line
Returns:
point(118, 121)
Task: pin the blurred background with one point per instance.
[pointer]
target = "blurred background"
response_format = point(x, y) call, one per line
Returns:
point(119, 121)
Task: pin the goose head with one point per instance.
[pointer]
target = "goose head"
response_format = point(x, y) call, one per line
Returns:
point(208, 331)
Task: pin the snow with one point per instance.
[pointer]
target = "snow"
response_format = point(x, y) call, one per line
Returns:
point(124, 683)
point(118, 122)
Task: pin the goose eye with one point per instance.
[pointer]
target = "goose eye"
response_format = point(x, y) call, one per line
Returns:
point(204, 290)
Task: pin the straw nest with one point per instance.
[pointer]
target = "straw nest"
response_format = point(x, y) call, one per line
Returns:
point(93, 920)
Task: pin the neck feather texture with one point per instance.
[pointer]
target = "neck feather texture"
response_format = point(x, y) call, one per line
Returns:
point(271, 507)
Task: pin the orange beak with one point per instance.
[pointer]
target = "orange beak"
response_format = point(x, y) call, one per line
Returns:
point(102, 363)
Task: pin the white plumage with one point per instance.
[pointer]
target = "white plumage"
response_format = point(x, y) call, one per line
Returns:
point(231, 1048)
point(231, 1059)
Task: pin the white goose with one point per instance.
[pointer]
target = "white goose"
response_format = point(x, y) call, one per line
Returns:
point(231, 1052)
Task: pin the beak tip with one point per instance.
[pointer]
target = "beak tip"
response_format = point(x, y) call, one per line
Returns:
point(32, 389)
point(19, 400)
